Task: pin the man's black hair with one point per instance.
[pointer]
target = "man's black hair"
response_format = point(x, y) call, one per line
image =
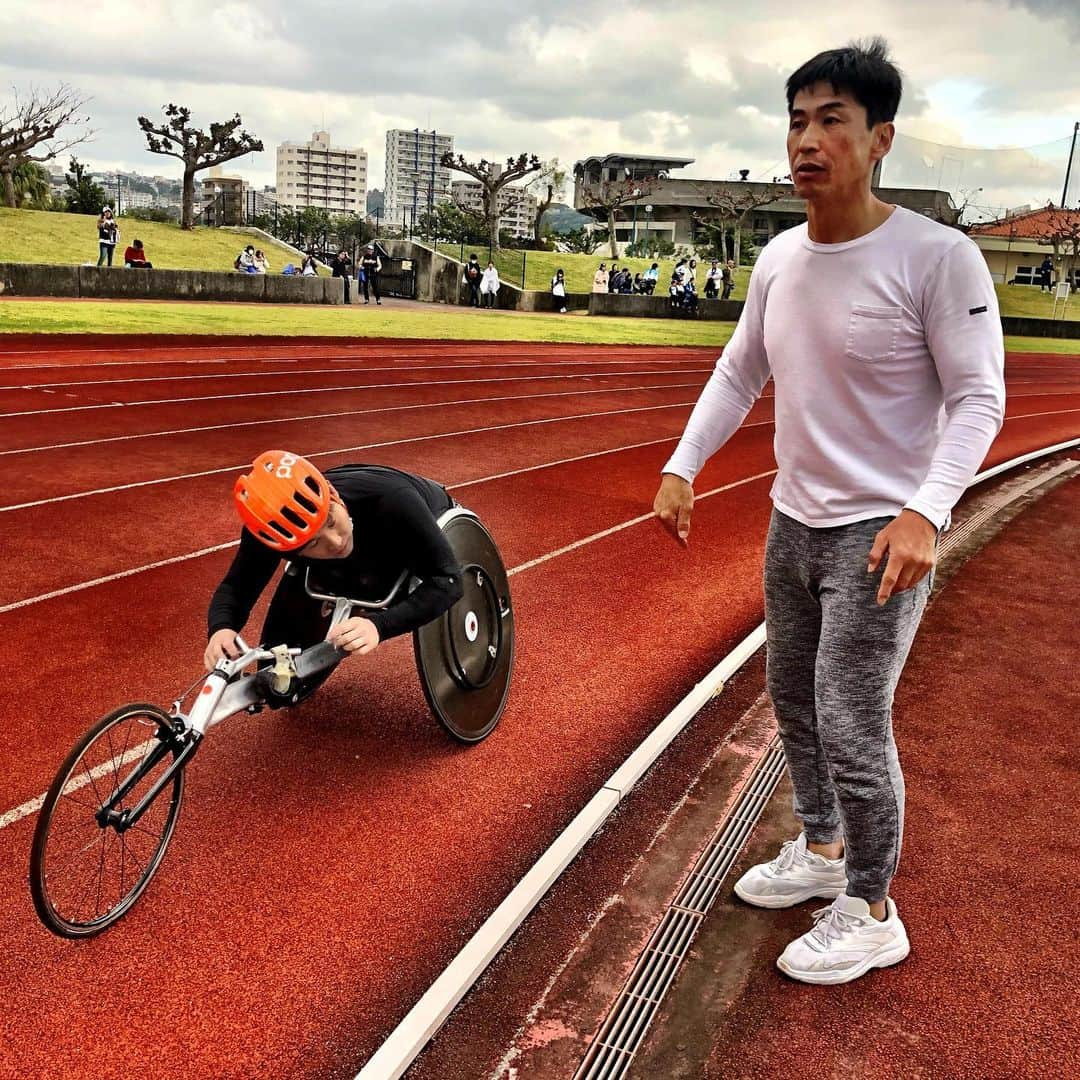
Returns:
point(861, 69)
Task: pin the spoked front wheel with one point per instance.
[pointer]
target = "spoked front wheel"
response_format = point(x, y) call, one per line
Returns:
point(99, 839)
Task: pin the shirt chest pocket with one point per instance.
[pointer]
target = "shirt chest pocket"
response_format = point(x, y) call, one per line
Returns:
point(872, 332)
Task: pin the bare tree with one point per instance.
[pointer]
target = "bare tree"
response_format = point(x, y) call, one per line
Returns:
point(493, 178)
point(610, 196)
point(548, 186)
point(1061, 229)
point(733, 203)
point(195, 148)
point(30, 130)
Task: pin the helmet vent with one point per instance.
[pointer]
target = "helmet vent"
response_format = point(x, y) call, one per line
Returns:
point(312, 485)
point(278, 527)
point(290, 515)
point(305, 502)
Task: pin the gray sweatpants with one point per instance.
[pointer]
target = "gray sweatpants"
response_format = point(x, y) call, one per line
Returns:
point(834, 659)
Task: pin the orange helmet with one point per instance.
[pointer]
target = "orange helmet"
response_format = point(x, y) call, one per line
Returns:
point(284, 500)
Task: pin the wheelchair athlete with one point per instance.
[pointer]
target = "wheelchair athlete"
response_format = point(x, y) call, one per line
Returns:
point(359, 526)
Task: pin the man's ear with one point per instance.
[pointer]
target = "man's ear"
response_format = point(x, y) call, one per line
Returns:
point(884, 133)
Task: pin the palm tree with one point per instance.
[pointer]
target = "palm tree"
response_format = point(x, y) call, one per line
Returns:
point(31, 185)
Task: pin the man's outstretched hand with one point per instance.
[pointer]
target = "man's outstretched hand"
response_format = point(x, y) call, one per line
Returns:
point(908, 540)
point(673, 505)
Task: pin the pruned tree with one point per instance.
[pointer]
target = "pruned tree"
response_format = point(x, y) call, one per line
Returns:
point(31, 130)
point(731, 205)
point(547, 186)
point(493, 178)
point(196, 148)
point(1060, 228)
point(609, 197)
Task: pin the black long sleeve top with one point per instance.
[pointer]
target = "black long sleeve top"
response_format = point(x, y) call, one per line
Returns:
point(394, 529)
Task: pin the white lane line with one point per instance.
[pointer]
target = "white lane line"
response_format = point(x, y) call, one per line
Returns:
point(16, 604)
point(336, 390)
point(348, 412)
point(627, 524)
point(1057, 412)
point(427, 1016)
point(345, 450)
point(11, 816)
point(332, 371)
point(77, 782)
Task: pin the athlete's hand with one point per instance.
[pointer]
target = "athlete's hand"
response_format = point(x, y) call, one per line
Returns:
point(355, 635)
point(222, 644)
point(673, 505)
point(909, 542)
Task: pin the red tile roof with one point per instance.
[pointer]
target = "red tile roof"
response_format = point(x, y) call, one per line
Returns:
point(1035, 224)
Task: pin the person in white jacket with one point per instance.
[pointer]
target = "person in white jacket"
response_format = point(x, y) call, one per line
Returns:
point(880, 331)
point(489, 286)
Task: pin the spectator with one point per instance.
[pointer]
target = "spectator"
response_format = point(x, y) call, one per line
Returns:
point(650, 278)
point(135, 256)
point(489, 285)
point(108, 236)
point(472, 277)
point(370, 269)
point(689, 298)
point(341, 267)
point(714, 280)
point(675, 288)
point(1045, 270)
point(262, 263)
point(691, 272)
point(308, 265)
point(613, 277)
point(626, 280)
point(600, 280)
point(245, 261)
point(558, 289)
point(639, 284)
point(728, 279)
point(680, 273)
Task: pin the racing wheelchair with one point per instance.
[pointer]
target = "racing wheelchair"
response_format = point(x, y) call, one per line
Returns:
point(111, 810)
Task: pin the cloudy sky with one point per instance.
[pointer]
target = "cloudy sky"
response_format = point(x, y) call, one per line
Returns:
point(702, 80)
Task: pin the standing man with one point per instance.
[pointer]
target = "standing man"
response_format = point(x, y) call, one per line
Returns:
point(727, 275)
point(371, 266)
point(473, 274)
point(880, 330)
point(1046, 268)
point(341, 267)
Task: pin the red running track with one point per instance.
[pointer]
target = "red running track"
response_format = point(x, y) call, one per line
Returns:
point(330, 860)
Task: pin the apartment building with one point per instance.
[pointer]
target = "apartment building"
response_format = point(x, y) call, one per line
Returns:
point(319, 174)
point(415, 180)
point(517, 207)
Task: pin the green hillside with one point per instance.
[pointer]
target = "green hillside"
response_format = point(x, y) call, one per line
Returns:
point(38, 236)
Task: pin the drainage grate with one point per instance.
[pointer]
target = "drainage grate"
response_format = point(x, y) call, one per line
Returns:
point(623, 1032)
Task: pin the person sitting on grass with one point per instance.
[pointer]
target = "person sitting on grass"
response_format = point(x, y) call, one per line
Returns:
point(307, 266)
point(357, 528)
point(650, 278)
point(600, 280)
point(135, 256)
point(245, 261)
point(262, 263)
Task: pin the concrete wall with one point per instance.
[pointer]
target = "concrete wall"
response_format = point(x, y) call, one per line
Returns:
point(120, 283)
point(659, 307)
point(1048, 328)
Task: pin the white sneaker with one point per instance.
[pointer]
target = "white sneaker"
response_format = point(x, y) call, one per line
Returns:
point(793, 876)
point(846, 942)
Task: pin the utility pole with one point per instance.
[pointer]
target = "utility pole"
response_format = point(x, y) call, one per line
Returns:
point(1068, 167)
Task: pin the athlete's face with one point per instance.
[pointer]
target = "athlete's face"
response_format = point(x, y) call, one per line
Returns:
point(335, 539)
point(831, 151)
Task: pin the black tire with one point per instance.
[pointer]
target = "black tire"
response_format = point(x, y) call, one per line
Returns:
point(62, 814)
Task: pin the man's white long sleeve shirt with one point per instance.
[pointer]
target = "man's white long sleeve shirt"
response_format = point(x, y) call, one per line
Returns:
point(887, 357)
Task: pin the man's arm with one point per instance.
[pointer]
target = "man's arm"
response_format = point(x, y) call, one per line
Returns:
point(428, 555)
point(963, 334)
point(252, 568)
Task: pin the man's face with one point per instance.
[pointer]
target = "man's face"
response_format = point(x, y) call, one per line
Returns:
point(334, 540)
point(831, 151)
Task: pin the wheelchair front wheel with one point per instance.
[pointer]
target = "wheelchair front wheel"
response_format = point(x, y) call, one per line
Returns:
point(86, 867)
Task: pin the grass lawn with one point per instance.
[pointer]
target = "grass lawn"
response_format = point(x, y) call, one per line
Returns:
point(1058, 346)
point(540, 267)
point(1028, 301)
point(39, 236)
point(414, 321)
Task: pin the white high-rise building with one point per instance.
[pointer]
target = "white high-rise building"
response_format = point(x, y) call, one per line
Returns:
point(517, 207)
point(315, 173)
point(415, 180)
